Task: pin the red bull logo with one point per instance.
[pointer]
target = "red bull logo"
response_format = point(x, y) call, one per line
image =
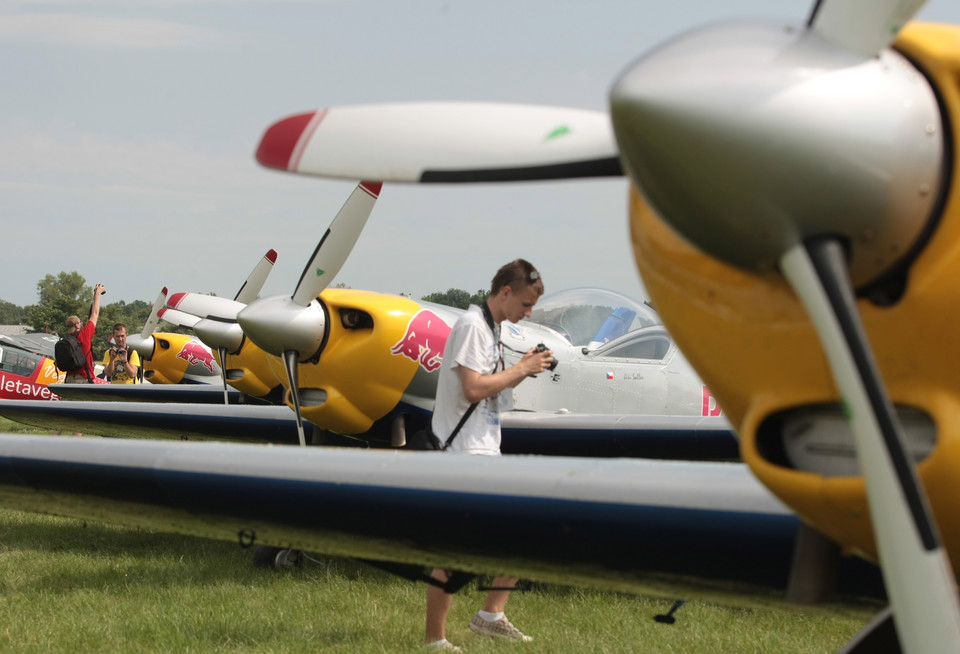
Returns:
point(196, 354)
point(710, 406)
point(424, 340)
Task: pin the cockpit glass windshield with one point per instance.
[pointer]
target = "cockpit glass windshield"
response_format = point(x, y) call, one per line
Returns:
point(17, 361)
point(591, 317)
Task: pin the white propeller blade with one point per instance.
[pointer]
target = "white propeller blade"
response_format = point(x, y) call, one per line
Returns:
point(443, 142)
point(178, 318)
point(151, 325)
point(205, 306)
point(337, 243)
point(258, 276)
point(143, 342)
point(863, 26)
point(916, 571)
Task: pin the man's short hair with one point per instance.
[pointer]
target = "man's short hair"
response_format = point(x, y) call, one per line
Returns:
point(119, 325)
point(72, 321)
point(518, 275)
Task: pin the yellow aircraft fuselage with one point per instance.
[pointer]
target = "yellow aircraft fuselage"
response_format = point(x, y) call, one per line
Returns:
point(754, 346)
point(249, 371)
point(174, 356)
point(354, 383)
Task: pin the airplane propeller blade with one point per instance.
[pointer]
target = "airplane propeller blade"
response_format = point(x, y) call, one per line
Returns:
point(915, 566)
point(205, 306)
point(178, 318)
point(862, 26)
point(337, 243)
point(257, 278)
point(747, 113)
point(443, 142)
point(143, 342)
point(290, 362)
point(295, 327)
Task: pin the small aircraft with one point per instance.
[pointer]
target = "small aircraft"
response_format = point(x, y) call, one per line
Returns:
point(26, 367)
point(171, 358)
point(852, 234)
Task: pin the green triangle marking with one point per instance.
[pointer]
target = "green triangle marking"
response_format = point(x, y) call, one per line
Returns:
point(561, 130)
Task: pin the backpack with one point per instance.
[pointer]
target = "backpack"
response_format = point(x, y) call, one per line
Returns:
point(69, 355)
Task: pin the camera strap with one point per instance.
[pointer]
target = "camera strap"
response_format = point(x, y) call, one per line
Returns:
point(456, 430)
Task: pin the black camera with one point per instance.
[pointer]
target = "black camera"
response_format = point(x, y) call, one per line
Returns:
point(553, 361)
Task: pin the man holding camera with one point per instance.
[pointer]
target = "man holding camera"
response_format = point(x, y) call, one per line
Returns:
point(120, 363)
point(473, 373)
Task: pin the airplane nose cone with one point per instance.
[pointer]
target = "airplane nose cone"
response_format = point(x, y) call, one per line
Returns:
point(278, 324)
point(216, 334)
point(143, 346)
point(749, 138)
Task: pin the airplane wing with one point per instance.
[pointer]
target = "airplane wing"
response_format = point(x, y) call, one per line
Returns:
point(610, 523)
point(664, 437)
point(651, 437)
point(184, 393)
point(244, 423)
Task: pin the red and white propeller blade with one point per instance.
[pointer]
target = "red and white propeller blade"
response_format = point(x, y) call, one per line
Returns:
point(443, 142)
point(143, 342)
point(337, 243)
point(178, 318)
point(205, 306)
point(258, 276)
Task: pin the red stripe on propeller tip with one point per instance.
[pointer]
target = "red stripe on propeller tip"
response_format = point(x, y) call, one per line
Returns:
point(175, 299)
point(280, 141)
point(272, 256)
point(373, 188)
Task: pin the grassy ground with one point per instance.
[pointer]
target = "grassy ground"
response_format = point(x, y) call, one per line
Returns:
point(66, 585)
point(10, 427)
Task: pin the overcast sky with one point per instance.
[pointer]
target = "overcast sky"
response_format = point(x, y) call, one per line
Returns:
point(127, 131)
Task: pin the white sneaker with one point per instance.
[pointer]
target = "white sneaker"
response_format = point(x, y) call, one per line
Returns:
point(501, 628)
point(443, 645)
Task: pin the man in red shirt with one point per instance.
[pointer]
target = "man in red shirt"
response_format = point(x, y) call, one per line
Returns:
point(84, 332)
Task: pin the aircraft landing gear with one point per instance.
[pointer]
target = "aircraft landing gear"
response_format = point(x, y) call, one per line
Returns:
point(276, 557)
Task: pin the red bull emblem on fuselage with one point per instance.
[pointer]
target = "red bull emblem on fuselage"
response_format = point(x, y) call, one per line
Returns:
point(424, 340)
point(195, 354)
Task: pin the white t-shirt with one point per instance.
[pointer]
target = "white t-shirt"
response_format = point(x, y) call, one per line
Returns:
point(473, 345)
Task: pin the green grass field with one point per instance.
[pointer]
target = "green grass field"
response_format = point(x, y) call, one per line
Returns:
point(66, 585)
point(71, 586)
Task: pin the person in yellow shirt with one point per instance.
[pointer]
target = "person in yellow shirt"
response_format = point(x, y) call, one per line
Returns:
point(120, 363)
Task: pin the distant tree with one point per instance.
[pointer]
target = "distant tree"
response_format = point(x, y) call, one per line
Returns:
point(11, 314)
point(456, 297)
point(133, 315)
point(62, 296)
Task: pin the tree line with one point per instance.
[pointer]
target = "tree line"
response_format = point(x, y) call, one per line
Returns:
point(68, 294)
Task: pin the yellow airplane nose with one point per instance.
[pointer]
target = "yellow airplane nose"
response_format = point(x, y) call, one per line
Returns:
point(755, 348)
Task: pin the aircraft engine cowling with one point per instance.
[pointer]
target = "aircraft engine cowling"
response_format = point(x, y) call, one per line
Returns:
point(754, 346)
